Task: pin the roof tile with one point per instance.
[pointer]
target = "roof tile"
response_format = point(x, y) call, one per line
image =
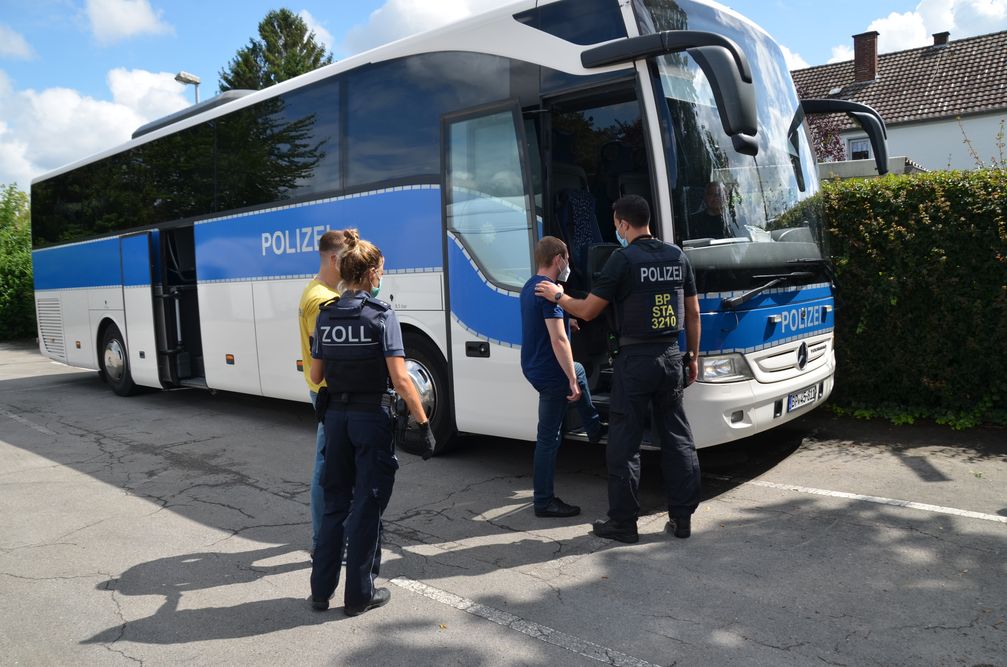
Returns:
point(966, 76)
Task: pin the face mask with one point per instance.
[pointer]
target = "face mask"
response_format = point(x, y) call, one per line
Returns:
point(564, 275)
point(623, 242)
point(376, 290)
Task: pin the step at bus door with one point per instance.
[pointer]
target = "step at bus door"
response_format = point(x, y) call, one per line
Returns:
point(137, 253)
point(489, 214)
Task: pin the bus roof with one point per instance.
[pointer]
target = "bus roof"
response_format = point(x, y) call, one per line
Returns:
point(507, 38)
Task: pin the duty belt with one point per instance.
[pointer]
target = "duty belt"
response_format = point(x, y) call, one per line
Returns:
point(625, 341)
point(350, 399)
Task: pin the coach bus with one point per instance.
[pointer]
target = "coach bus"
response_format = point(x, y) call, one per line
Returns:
point(177, 259)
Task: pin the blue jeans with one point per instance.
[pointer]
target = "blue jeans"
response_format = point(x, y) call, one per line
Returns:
point(317, 495)
point(552, 406)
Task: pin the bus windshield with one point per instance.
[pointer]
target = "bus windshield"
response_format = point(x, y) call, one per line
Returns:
point(733, 210)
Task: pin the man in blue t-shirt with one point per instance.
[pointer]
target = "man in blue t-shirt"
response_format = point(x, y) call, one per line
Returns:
point(547, 363)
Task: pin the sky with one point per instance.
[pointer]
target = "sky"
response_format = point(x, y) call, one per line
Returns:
point(78, 76)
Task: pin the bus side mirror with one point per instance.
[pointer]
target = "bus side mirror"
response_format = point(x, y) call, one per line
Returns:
point(868, 119)
point(720, 58)
point(735, 97)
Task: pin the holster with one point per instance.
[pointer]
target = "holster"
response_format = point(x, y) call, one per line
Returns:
point(321, 403)
point(401, 416)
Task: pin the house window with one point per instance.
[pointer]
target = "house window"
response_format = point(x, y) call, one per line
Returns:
point(860, 149)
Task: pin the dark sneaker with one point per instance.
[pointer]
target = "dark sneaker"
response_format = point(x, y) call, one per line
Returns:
point(320, 605)
point(557, 508)
point(601, 433)
point(380, 599)
point(679, 526)
point(614, 530)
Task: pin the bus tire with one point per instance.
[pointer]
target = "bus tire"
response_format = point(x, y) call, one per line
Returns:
point(429, 372)
point(114, 362)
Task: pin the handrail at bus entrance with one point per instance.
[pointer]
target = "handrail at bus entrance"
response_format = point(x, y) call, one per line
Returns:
point(721, 59)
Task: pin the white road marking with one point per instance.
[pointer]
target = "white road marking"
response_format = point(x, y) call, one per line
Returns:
point(881, 501)
point(508, 620)
point(29, 424)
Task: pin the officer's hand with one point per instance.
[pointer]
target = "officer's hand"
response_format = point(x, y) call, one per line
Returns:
point(548, 290)
point(693, 370)
point(431, 441)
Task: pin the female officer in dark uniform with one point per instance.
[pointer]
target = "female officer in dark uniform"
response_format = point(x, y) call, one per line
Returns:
point(357, 349)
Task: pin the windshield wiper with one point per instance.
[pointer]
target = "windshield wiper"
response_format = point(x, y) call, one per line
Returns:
point(827, 266)
point(775, 279)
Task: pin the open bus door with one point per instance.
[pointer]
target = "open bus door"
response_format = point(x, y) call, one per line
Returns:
point(137, 253)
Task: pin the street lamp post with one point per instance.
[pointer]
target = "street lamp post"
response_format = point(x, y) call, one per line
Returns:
point(187, 79)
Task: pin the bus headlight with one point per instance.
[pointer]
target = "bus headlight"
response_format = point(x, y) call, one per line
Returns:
point(724, 368)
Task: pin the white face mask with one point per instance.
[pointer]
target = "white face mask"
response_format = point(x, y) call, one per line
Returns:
point(564, 275)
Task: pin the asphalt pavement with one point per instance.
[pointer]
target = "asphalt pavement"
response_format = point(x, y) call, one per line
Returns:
point(171, 527)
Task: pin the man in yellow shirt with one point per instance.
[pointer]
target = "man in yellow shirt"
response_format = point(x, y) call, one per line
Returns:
point(323, 287)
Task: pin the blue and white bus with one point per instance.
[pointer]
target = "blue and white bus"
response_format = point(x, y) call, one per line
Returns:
point(177, 259)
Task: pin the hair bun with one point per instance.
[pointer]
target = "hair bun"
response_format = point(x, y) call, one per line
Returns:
point(351, 237)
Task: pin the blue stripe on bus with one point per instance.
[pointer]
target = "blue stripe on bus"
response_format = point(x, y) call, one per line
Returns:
point(92, 264)
point(710, 302)
point(136, 260)
point(478, 306)
point(404, 224)
point(751, 329)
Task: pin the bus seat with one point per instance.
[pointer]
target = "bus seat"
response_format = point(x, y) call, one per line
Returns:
point(615, 159)
point(634, 184)
point(567, 176)
point(597, 255)
point(576, 217)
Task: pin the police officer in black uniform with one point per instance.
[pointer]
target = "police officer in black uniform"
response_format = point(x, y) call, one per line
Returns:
point(653, 289)
point(358, 348)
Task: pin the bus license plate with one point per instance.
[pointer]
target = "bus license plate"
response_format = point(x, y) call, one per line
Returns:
point(801, 398)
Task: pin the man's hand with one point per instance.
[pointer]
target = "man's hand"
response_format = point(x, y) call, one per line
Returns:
point(574, 391)
point(431, 441)
point(693, 370)
point(574, 325)
point(548, 290)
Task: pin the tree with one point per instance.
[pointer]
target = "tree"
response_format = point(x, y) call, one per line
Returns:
point(286, 48)
point(825, 129)
point(17, 295)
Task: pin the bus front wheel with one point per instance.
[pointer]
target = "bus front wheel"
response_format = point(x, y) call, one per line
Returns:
point(429, 374)
point(114, 362)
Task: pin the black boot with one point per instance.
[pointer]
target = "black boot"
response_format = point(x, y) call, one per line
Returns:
point(615, 530)
point(679, 526)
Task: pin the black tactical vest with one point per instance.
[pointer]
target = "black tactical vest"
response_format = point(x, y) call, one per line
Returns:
point(655, 307)
point(351, 338)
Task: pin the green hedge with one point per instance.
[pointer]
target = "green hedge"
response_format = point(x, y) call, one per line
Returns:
point(921, 265)
point(17, 301)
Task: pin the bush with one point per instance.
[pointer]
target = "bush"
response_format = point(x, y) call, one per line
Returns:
point(17, 299)
point(921, 268)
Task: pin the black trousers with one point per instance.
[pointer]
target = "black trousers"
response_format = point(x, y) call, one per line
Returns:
point(649, 378)
point(357, 480)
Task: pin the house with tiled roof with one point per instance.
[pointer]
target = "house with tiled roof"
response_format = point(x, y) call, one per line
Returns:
point(932, 98)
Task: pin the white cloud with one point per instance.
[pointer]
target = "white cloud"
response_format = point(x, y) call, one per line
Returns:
point(909, 30)
point(149, 94)
point(323, 36)
point(113, 20)
point(400, 18)
point(43, 130)
point(841, 53)
point(13, 45)
point(794, 60)
point(900, 31)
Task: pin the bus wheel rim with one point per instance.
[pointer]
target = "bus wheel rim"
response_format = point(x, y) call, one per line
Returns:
point(115, 361)
point(423, 380)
